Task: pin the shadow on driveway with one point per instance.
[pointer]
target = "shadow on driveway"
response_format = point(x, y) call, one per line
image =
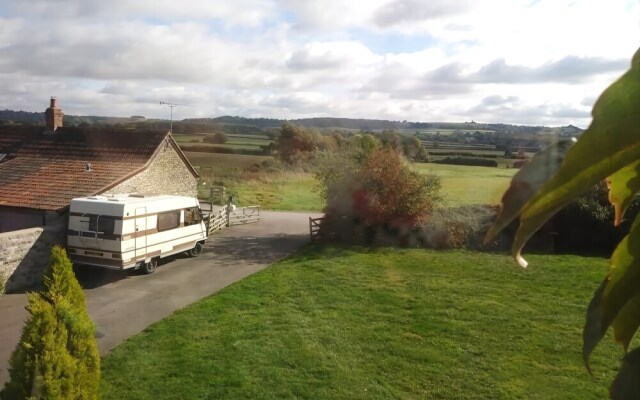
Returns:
point(253, 250)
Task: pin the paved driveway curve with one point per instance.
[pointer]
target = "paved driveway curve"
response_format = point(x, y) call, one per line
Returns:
point(123, 304)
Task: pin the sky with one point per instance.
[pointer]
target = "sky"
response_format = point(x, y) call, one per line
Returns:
point(535, 62)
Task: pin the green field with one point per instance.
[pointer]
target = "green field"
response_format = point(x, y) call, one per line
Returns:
point(232, 139)
point(446, 132)
point(294, 191)
point(218, 160)
point(383, 324)
point(283, 191)
point(228, 145)
point(445, 150)
point(463, 184)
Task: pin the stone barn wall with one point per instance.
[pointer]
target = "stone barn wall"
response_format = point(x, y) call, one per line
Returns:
point(24, 254)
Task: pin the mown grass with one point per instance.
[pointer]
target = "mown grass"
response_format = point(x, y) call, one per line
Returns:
point(463, 184)
point(354, 323)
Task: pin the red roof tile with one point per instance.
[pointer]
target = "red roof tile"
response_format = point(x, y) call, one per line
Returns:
point(45, 171)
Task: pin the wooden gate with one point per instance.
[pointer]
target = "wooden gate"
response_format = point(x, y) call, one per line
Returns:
point(217, 220)
point(244, 215)
point(314, 228)
point(224, 217)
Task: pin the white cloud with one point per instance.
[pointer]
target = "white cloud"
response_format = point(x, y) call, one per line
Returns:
point(399, 12)
point(238, 12)
point(495, 60)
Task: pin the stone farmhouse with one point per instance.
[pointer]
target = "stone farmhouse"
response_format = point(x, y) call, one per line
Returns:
point(43, 168)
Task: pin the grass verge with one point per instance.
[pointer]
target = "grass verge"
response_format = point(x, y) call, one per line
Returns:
point(341, 323)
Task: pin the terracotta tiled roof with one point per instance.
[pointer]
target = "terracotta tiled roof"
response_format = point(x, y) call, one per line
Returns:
point(45, 171)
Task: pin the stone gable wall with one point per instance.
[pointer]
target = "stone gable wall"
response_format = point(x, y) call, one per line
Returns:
point(167, 174)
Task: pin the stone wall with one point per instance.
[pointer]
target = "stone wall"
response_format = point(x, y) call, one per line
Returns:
point(24, 254)
point(167, 174)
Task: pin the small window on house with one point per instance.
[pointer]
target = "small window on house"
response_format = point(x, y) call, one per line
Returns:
point(192, 216)
point(168, 220)
point(101, 224)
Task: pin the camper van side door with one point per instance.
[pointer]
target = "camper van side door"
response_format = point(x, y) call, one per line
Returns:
point(140, 233)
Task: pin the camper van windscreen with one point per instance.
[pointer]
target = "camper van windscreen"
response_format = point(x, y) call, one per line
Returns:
point(101, 224)
point(192, 216)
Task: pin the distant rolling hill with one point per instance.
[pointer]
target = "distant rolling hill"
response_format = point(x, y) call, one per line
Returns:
point(242, 125)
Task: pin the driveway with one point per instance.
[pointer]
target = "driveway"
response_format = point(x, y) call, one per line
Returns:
point(124, 303)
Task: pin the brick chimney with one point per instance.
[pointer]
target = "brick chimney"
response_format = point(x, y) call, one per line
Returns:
point(53, 115)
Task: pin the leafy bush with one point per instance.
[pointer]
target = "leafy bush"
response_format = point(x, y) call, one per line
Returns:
point(519, 163)
point(456, 227)
point(378, 199)
point(218, 138)
point(57, 356)
point(481, 162)
point(574, 225)
point(294, 144)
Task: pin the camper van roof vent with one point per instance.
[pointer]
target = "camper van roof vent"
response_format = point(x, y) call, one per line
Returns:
point(93, 198)
point(115, 199)
point(140, 195)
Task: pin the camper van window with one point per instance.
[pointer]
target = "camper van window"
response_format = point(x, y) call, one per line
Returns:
point(191, 216)
point(101, 224)
point(168, 220)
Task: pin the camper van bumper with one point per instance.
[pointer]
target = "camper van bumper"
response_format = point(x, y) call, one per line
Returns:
point(101, 262)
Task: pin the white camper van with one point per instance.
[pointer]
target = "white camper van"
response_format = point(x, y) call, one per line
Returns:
point(133, 231)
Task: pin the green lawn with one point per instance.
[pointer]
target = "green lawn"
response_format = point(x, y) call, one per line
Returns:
point(463, 184)
point(353, 324)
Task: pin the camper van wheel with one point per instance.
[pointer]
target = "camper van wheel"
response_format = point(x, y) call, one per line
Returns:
point(150, 267)
point(195, 252)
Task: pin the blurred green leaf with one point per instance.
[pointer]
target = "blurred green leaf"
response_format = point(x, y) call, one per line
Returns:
point(622, 186)
point(627, 322)
point(614, 294)
point(593, 332)
point(526, 182)
point(611, 142)
point(626, 385)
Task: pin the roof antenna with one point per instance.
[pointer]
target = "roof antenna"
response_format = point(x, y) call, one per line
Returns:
point(171, 106)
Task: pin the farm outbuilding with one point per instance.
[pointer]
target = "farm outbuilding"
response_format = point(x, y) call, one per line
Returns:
point(43, 167)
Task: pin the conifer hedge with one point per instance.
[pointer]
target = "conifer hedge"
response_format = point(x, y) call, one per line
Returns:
point(57, 356)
